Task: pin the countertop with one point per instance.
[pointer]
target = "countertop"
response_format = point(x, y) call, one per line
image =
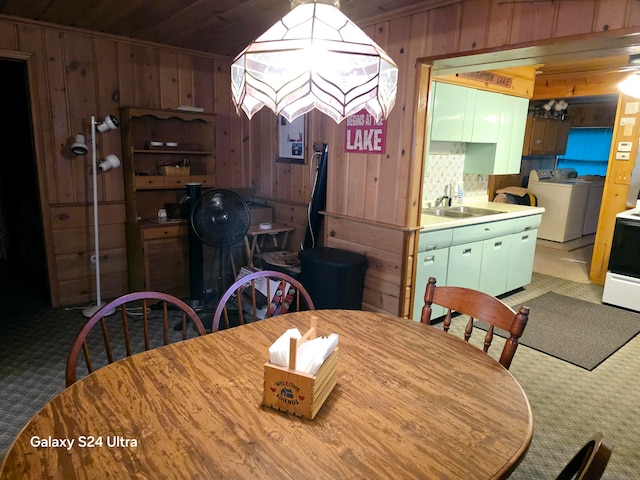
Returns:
point(434, 222)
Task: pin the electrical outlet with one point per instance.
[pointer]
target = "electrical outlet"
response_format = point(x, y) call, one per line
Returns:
point(92, 259)
point(621, 178)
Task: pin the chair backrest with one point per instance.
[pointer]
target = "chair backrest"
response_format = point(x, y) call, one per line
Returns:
point(590, 462)
point(478, 306)
point(144, 324)
point(250, 294)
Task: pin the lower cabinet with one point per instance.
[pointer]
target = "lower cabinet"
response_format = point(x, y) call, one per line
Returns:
point(159, 259)
point(166, 265)
point(429, 264)
point(465, 263)
point(494, 257)
point(521, 259)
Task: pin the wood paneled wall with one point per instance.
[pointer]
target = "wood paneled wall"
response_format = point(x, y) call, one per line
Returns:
point(378, 188)
point(74, 74)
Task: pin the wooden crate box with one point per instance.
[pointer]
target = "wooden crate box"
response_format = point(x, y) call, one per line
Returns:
point(295, 392)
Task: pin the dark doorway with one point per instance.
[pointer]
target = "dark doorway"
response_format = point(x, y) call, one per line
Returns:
point(23, 266)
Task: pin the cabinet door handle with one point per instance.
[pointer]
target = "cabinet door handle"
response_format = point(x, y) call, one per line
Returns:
point(525, 237)
point(429, 259)
point(527, 228)
point(466, 251)
point(430, 247)
point(497, 244)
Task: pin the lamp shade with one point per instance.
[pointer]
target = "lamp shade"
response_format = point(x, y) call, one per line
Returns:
point(79, 146)
point(314, 57)
point(111, 161)
point(631, 85)
point(109, 123)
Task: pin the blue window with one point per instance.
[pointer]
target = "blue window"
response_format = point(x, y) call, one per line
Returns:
point(587, 151)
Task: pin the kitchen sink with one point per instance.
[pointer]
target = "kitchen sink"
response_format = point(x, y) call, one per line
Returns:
point(445, 212)
point(460, 211)
point(474, 210)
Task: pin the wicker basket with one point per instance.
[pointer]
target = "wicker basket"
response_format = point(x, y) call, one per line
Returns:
point(172, 171)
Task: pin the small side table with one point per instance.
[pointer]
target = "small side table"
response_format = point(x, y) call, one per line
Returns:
point(258, 237)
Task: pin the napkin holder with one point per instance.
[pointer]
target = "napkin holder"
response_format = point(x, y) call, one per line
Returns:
point(295, 392)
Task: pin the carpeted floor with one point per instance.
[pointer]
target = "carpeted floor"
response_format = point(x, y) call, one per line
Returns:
point(574, 330)
point(568, 402)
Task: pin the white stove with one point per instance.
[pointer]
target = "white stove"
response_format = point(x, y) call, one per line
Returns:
point(633, 214)
point(622, 283)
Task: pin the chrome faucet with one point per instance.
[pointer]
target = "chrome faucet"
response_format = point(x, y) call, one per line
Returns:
point(446, 196)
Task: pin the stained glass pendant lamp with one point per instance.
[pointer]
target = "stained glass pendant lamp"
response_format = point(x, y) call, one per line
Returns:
point(314, 57)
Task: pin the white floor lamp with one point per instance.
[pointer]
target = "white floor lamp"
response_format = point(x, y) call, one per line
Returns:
point(110, 161)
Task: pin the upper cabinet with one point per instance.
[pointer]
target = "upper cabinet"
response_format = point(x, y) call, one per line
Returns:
point(491, 124)
point(545, 136)
point(452, 118)
point(512, 132)
point(462, 114)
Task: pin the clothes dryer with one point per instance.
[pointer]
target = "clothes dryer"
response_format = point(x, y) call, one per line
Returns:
point(565, 202)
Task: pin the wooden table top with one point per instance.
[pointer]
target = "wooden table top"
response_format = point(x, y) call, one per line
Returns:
point(411, 402)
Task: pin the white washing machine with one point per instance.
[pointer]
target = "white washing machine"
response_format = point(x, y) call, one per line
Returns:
point(593, 202)
point(564, 200)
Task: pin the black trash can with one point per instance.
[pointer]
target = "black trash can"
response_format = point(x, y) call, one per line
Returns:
point(334, 278)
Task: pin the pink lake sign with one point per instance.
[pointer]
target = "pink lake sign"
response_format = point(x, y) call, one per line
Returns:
point(363, 134)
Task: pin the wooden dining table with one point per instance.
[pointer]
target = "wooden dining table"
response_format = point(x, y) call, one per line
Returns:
point(411, 401)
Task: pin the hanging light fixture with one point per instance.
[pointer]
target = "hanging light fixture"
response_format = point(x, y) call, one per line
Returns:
point(631, 84)
point(314, 57)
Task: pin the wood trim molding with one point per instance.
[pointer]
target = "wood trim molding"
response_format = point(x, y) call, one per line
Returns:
point(370, 222)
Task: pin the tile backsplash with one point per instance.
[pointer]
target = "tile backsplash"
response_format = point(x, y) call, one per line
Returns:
point(445, 166)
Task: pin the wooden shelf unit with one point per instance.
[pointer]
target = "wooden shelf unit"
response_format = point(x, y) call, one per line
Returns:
point(157, 253)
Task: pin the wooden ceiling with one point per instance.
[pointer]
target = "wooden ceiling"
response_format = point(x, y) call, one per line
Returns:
point(222, 27)
point(582, 78)
point(225, 27)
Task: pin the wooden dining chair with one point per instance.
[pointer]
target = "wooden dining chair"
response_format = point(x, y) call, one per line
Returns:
point(481, 306)
point(590, 462)
point(247, 298)
point(142, 324)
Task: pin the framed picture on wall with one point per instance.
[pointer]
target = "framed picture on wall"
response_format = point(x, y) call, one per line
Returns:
point(291, 140)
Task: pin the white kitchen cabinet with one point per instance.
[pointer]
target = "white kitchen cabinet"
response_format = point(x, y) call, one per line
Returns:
point(486, 117)
point(504, 156)
point(523, 249)
point(452, 118)
point(492, 256)
point(432, 261)
point(462, 114)
point(465, 262)
point(430, 264)
point(496, 255)
point(467, 268)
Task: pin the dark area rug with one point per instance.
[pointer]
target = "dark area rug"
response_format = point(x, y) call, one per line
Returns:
point(582, 333)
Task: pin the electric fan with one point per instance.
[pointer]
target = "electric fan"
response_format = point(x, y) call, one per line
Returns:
point(219, 218)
